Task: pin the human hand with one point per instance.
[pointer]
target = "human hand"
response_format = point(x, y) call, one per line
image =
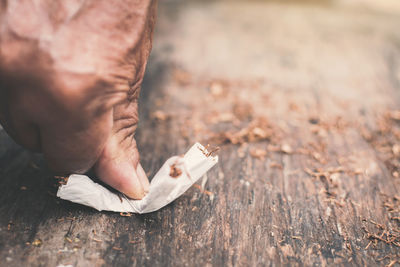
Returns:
point(70, 76)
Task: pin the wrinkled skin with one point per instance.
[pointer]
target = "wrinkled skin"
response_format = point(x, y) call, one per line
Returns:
point(70, 76)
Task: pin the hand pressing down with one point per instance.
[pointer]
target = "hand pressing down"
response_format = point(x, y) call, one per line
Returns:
point(70, 76)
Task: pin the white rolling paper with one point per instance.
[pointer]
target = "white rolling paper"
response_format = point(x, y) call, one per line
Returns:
point(163, 188)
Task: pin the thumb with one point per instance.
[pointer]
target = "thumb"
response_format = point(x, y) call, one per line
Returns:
point(118, 165)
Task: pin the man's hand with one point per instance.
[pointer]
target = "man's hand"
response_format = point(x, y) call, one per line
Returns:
point(70, 76)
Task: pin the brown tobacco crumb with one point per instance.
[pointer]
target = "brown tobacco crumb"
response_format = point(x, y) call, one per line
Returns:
point(125, 214)
point(218, 88)
point(182, 77)
point(117, 248)
point(208, 193)
point(293, 106)
point(275, 165)
point(315, 155)
point(62, 180)
point(369, 244)
point(258, 153)
point(175, 172)
point(390, 237)
point(242, 110)
point(396, 150)
point(160, 115)
point(37, 243)
point(214, 150)
point(258, 129)
point(209, 152)
point(285, 148)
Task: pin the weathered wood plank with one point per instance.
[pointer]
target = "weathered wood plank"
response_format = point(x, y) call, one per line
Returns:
point(319, 74)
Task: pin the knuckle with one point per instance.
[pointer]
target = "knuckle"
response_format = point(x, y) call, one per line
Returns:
point(88, 95)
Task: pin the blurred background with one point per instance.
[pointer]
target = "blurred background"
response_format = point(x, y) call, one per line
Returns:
point(303, 99)
point(287, 60)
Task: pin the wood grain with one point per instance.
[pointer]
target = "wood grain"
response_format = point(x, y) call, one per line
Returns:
point(322, 75)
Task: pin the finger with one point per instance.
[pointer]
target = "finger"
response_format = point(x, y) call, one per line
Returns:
point(117, 166)
point(121, 175)
point(143, 178)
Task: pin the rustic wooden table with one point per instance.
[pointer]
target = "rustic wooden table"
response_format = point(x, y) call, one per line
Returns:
point(313, 178)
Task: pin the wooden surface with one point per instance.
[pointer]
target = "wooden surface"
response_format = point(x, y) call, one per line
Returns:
point(320, 188)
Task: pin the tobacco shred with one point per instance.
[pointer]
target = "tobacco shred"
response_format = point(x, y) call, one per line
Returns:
point(175, 172)
point(37, 243)
point(62, 180)
point(160, 115)
point(258, 153)
point(258, 129)
point(182, 77)
point(207, 151)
